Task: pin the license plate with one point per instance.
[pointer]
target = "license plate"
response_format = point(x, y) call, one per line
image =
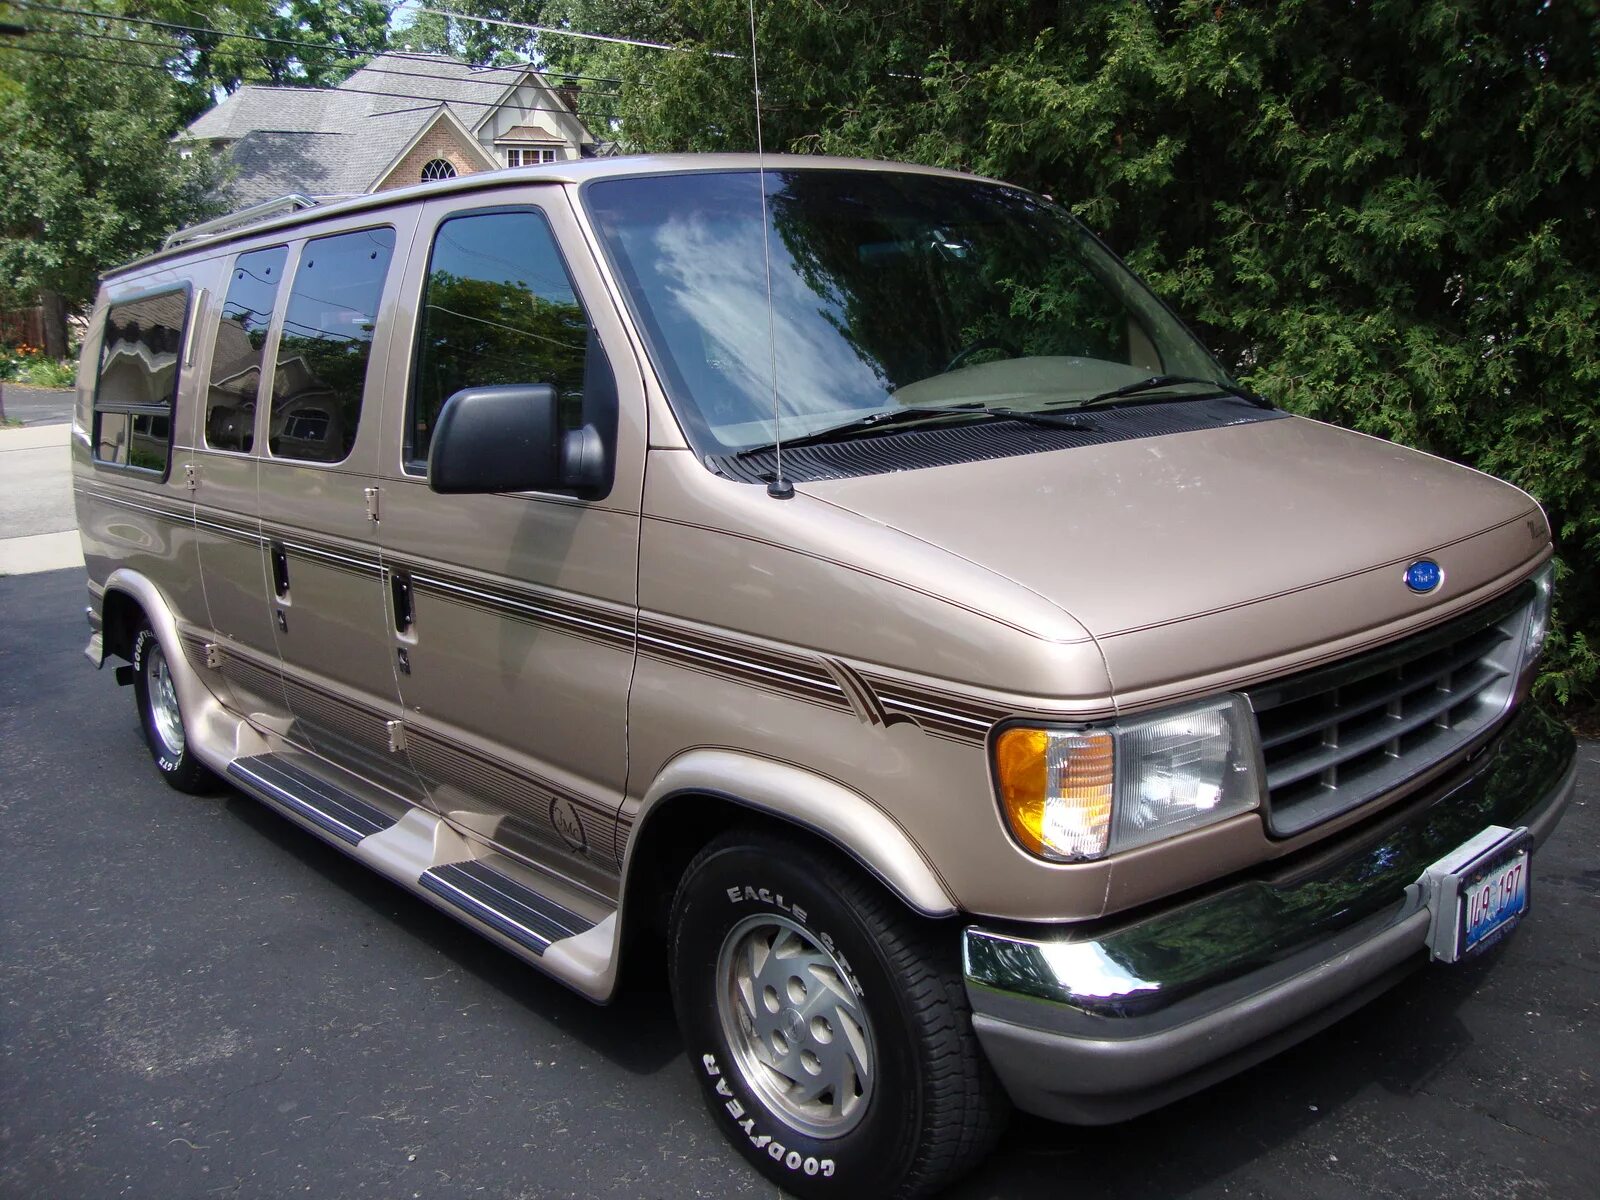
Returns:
point(1477, 893)
point(1494, 902)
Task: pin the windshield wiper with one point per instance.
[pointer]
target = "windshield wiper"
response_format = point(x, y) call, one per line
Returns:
point(871, 423)
point(887, 419)
point(1055, 416)
point(1155, 382)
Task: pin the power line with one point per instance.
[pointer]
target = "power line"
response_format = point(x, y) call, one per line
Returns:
point(182, 28)
point(114, 62)
point(573, 33)
point(371, 70)
point(324, 48)
point(431, 100)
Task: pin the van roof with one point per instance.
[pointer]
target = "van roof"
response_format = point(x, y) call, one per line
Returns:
point(574, 172)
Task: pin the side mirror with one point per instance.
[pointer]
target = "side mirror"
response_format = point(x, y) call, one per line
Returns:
point(504, 438)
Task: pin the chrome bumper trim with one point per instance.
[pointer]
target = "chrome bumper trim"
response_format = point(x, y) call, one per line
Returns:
point(1103, 1023)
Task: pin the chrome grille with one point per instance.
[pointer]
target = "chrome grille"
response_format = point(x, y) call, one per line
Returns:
point(1334, 738)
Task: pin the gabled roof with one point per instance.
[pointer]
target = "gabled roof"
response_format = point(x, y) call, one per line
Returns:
point(270, 163)
point(255, 107)
point(471, 92)
point(346, 138)
point(439, 116)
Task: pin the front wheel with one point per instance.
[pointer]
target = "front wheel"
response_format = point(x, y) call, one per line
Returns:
point(157, 697)
point(829, 1027)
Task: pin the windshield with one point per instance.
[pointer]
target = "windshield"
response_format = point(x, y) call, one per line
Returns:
point(889, 291)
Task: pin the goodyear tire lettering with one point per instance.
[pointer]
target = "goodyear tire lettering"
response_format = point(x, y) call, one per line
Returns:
point(793, 1160)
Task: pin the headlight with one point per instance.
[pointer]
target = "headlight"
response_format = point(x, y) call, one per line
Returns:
point(1544, 584)
point(1082, 793)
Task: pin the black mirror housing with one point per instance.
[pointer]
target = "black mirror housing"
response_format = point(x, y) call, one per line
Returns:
point(504, 438)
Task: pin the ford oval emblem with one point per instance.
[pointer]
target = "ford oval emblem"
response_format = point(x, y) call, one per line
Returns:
point(1424, 576)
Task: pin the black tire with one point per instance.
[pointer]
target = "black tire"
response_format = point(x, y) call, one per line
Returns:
point(933, 1107)
point(171, 752)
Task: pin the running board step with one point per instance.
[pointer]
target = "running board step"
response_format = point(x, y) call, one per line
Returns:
point(506, 906)
point(327, 806)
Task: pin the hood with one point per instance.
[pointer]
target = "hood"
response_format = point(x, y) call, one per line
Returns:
point(1142, 534)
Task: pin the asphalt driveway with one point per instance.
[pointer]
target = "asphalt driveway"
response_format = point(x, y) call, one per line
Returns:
point(198, 999)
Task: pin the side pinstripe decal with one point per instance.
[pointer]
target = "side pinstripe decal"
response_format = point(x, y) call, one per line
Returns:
point(814, 679)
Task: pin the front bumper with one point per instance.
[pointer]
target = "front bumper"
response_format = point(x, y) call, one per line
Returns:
point(1099, 1025)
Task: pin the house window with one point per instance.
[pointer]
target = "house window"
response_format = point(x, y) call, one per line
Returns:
point(437, 168)
point(529, 156)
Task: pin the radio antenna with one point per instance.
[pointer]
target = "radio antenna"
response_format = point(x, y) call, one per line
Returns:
point(779, 488)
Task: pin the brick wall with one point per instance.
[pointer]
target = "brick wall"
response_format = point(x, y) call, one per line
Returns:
point(442, 141)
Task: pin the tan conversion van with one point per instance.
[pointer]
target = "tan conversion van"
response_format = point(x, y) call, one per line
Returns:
point(843, 578)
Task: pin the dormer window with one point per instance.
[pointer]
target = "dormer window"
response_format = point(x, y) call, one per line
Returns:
point(437, 168)
point(528, 156)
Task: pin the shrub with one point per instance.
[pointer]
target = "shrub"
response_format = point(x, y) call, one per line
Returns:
point(27, 365)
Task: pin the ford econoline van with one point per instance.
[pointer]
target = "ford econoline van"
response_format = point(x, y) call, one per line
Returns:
point(842, 581)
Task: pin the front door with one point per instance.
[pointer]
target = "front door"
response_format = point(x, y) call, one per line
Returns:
point(515, 613)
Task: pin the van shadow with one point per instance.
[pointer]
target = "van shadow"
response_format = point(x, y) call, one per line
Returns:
point(636, 1032)
point(1399, 1043)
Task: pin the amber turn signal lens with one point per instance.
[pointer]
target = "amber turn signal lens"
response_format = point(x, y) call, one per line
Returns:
point(1019, 756)
point(1055, 788)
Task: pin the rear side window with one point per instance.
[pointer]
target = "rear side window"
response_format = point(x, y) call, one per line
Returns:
point(321, 372)
point(499, 308)
point(137, 382)
point(236, 356)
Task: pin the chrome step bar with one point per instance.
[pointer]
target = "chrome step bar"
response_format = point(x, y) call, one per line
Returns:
point(567, 931)
point(521, 914)
point(330, 808)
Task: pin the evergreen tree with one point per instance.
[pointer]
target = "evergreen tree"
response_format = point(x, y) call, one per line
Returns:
point(1381, 214)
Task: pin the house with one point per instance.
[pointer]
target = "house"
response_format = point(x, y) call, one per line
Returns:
point(399, 120)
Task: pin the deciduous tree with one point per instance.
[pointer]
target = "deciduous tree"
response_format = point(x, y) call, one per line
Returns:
point(92, 177)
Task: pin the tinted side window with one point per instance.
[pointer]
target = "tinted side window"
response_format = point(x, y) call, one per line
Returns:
point(499, 308)
point(137, 382)
point(236, 357)
point(326, 342)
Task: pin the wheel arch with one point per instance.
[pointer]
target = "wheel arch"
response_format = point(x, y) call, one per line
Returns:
point(706, 792)
point(132, 599)
point(121, 614)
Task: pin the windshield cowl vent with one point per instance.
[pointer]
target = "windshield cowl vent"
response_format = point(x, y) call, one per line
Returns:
point(943, 445)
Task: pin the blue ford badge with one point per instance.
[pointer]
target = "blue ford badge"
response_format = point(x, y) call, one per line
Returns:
point(1424, 576)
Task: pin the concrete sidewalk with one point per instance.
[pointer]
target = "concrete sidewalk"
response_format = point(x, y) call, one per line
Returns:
point(38, 523)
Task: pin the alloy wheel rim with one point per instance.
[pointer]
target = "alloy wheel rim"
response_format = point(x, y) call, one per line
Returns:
point(798, 1032)
point(164, 704)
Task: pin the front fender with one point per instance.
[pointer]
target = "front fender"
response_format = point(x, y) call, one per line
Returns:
point(809, 801)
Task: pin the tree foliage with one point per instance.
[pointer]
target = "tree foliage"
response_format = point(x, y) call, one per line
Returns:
point(1378, 212)
point(92, 177)
point(219, 45)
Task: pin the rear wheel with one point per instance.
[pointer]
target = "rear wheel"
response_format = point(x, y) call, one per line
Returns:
point(828, 1027)
point(157, 697)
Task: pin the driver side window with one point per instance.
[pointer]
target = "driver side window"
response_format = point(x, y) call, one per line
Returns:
point(498, 307)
